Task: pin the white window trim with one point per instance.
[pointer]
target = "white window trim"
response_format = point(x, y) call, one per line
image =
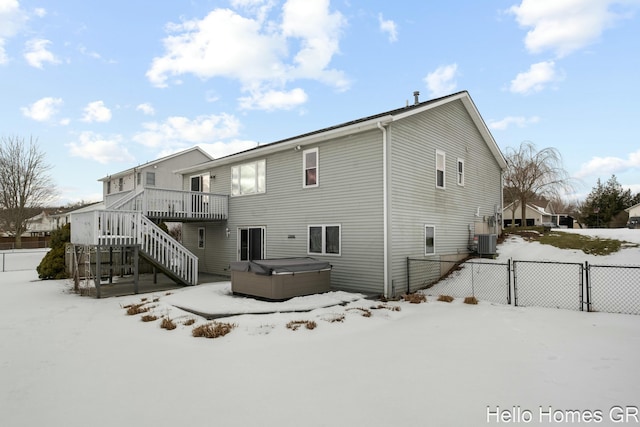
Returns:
point(460, 176)
point(304, 168)
point(324, 236)
point(444, 169)
point(255, 162)
point(424, 239)
point(202, 243)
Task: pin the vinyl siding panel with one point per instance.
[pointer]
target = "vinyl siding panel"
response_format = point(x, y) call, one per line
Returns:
point(349, 194)
point(415, 200)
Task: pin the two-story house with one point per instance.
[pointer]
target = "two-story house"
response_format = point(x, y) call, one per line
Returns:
point(417, 181)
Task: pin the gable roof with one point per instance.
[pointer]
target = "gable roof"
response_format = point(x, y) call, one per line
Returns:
point(362, 124)
point(157, 161)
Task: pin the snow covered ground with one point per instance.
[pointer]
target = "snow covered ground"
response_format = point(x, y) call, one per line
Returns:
point(71, 361)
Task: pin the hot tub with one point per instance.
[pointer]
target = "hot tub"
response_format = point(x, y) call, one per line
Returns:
point(280, 279)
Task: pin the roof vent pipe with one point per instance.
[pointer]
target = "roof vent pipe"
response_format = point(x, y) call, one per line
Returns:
point(416, 94)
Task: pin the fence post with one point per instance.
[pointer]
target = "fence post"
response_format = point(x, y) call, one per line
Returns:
point(587, 284)
point(408, 276)
point(3, 255)
point(515, 286)
point(509, 281)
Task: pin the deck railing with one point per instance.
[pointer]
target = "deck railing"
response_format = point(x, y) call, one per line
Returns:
point(176, 204)
point(122, 228)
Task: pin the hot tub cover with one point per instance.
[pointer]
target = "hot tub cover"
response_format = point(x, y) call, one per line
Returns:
point(268, 267)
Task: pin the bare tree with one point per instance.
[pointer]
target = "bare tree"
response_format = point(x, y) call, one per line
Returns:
point(531, 174)
point(24, 183)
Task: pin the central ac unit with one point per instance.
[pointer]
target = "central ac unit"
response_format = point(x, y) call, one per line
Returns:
point(487, 244)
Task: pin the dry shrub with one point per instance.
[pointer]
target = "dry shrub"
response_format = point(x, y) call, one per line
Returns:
point(156, 299)
point(335, 318)
point(415, 298)
point(445, 298)
point(148, 318)
point(143, 299)
point(470, 300)
point(168, 324)
point(294, 325)
point(389, 307)
point(133, 309)
point(213, 330)
point(365, 312)
point(189, 322)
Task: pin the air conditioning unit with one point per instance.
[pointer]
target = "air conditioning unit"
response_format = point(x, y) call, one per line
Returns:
point(487, 244)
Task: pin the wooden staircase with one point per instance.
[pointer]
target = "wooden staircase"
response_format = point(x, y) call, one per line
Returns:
point(109, 228)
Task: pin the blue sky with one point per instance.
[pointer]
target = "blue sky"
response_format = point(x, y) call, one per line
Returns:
point(105, 86)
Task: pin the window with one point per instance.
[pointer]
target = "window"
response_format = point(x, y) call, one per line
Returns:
point(151, 178)
point(310, 167)
point(429, 240)
point(138, 178)
point(324, 239)
point(120, 184)
point(460, 172)
point(201, 238)
point(108, 187)
point(440, 163)
point(248, 178)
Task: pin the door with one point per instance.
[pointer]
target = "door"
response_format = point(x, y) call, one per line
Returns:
point(250, 243)
point(200, 203)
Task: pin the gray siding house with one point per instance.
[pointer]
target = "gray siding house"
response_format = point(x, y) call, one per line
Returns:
point(417, 181)
point(159, 173)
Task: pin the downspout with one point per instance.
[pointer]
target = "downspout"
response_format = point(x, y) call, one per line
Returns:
point(385, 230)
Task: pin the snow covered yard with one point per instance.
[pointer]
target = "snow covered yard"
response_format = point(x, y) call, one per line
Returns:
point(72, 361)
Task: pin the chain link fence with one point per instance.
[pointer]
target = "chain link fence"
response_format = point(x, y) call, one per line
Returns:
point(21, 259)
point(488, 281)
point(548, 284)
point(613, 288)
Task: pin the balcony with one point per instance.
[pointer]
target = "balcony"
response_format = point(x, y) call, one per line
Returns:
point(175, 205)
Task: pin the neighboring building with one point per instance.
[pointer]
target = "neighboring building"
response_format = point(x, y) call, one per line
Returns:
point(418, 181)
point(539, 212)
point(634, 216)
point(40, 225)
point(633, 210)
point(160, 173)
point(536, 215)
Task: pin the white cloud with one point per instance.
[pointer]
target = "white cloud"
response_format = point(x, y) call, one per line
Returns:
point(179, 132)
point(442, 81)
point(535, 79)
point(36, 53)
point(274, 100)
point(389, 27)
point(12, 18)
point(43, 109)
point(96, 112)
point(146, 108)
point(609, 165)
point(257, 52)
point(565, 26)
point(40, 12)
point(102, 149)
point(513, 120)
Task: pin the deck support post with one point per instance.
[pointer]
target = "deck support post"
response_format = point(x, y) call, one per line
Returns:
point(98, 276)
point(136, 249)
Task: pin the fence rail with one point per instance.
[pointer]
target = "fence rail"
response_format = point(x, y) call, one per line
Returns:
point(573, 286)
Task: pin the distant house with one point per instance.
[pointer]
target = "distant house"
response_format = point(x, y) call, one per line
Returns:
point(633, 210)
point(40, 225)
point(417, 181)
point(156, 174)
point(539, 212)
